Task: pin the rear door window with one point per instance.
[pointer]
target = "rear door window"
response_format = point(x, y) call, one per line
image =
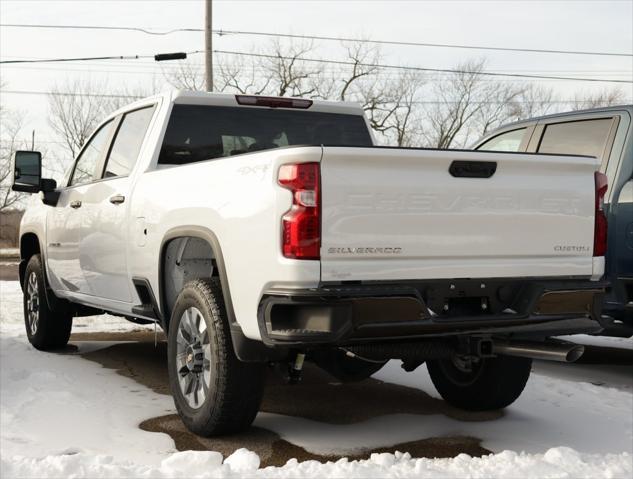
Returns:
point(508, 141)
point(127, 143)
point(583, 137)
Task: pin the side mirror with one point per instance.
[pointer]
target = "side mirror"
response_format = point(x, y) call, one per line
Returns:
point(27, 171)
point(50, 195)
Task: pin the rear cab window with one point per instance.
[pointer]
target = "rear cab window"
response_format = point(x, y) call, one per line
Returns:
point(202, 132)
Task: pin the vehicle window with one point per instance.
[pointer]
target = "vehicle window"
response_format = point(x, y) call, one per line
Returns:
point(127, 143)
point(88, 160)
point(199, 132)
point(585, 137)
point(508, 141)
point(234, 145)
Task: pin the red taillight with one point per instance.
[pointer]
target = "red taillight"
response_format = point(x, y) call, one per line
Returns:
point(301, 225)
point(273, 101)
point(600, 228)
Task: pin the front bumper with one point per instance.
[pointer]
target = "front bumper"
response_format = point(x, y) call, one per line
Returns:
point(340, 314)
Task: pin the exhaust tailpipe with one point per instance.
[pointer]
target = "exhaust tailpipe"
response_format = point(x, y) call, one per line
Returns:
point(549, 351)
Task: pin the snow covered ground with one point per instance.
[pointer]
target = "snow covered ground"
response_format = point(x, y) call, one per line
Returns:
point(62, 416)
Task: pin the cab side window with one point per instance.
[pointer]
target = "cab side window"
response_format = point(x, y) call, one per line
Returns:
point(508, 141)
point(583, 137)
point(89, 158)
point(127, 143)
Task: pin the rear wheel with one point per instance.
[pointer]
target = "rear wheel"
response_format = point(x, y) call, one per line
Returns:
point(45, 328)
point(480, 384)
point(214, 392)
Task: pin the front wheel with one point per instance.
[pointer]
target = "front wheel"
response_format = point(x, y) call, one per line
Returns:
point(480, 384)
point(45, 328)
point(214, 392)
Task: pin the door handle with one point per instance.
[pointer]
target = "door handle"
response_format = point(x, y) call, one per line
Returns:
point(117, 199)
point(75, 204)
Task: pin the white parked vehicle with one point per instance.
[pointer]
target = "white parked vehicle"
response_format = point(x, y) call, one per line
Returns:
point(261, 230)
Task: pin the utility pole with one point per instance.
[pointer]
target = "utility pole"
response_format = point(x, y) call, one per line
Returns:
point(208, 49)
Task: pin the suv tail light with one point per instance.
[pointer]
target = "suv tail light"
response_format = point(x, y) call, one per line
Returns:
point(301, 237)
point(600, 228)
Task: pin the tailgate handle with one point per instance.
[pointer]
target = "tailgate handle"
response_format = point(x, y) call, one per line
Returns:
point(472, 169)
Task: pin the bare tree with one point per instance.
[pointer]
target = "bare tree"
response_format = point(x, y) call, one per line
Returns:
point(365, 59)
point(10, 129)
point(12, 138)
point(77, 107)
point(288, 73)
point(606, 97)
point(468, 106)
point(392, 108)
point(280, 71)
point(187, 76)
point(461, 106)
point(456, 106)
point(240, 76)
point(535, 100)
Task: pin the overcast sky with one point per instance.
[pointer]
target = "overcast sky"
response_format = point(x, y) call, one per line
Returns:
point(562, 25)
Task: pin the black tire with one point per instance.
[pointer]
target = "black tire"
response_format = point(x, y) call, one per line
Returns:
point(46, 329)
point(344, 368)
point(234, 389)
point(492, 383)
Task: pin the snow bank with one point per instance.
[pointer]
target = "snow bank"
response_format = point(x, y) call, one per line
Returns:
point(52, 404)
point(556, 463)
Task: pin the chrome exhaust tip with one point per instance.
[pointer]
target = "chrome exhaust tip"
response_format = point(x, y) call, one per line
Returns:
point(560, 351)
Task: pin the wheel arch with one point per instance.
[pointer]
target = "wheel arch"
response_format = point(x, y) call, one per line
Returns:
point(246, 349)
point(29, 246)
point(204, 234)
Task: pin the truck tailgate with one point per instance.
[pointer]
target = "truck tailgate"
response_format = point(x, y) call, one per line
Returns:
point(398, 214)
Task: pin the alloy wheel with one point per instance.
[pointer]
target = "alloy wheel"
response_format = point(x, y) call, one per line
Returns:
point(32, 303)
point(193, 357)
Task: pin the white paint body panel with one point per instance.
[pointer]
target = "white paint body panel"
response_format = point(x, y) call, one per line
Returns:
point(447, 227)
point(238, 200)
point(518, 223)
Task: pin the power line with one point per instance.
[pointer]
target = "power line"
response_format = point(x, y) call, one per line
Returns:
point(334, 62)
point(80, 59)
point(421, 69)
point(325, 38)
point(157, 57)
point(421, 44)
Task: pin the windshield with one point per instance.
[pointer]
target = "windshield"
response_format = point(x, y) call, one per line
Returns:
point(199, 132)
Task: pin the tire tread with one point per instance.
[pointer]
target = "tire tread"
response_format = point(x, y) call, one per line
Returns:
point(238, 389)
point(54, 327)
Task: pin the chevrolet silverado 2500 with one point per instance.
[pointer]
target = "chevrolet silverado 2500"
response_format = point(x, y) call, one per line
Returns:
point(259, 230)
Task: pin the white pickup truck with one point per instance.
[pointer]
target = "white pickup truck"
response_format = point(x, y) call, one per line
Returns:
point(259, 230)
